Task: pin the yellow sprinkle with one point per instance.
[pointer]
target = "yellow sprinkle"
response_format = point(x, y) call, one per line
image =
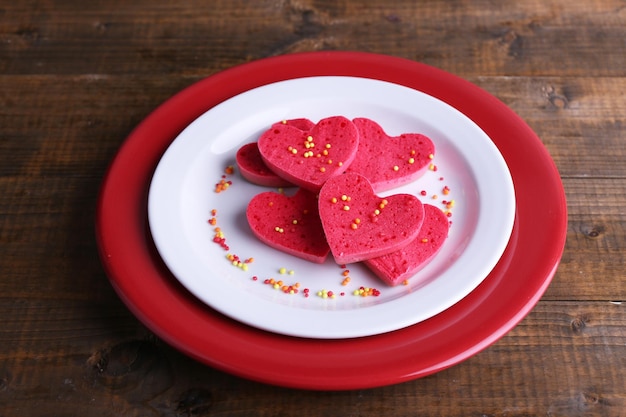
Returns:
point(309, 138)
point(282, 271)
point(377, 212)
point(344, 197)
point(294, 221)
point(354, 226)
point(411, 160)
point(294, 151)
point(396, 167)
point(339, 164)
point(431, 156)
point(346, 208)
point(327, 146)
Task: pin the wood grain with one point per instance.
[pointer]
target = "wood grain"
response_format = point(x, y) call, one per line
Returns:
point(77, 77)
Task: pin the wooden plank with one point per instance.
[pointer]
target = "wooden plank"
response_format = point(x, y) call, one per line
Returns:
point(480, 38)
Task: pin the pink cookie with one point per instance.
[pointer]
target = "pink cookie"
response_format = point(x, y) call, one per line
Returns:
point(251, 164)
point(290, 224)
point(309, 158)
point(360, 225)
point(390, 161)
point(398, 266)
point(252, 168)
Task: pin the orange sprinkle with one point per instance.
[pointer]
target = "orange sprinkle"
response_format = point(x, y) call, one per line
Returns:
point(229, 169)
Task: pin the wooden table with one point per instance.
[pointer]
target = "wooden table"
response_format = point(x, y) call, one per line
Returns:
point(77, 77)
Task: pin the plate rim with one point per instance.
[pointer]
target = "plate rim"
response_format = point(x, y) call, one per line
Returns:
point(245, 362)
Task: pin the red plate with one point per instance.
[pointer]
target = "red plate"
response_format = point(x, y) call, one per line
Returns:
point(510, 291)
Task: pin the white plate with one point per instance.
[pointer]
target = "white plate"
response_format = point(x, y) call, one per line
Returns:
point(182, 196)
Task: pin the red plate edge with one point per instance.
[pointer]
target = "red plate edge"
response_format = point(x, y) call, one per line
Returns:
point(496, 306)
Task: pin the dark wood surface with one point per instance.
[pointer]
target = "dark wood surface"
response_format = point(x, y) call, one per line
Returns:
point(76, 77)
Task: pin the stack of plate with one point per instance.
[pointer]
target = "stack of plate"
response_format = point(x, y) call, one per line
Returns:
point(506, 238)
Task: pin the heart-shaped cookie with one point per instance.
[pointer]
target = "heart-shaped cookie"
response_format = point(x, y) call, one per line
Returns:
point(289, 223)
point(360, 225)
point(253, 169)
point(308, 158)
point(251, 164)
point(396, 267)
point(390, 161)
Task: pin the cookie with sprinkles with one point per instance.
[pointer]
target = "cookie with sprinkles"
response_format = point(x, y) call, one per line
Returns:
point(289, 223)
point(397, 267)
point(360, 225)
point(251, 164)
point(390, 161)
point(308, 158)
point(253, 168)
